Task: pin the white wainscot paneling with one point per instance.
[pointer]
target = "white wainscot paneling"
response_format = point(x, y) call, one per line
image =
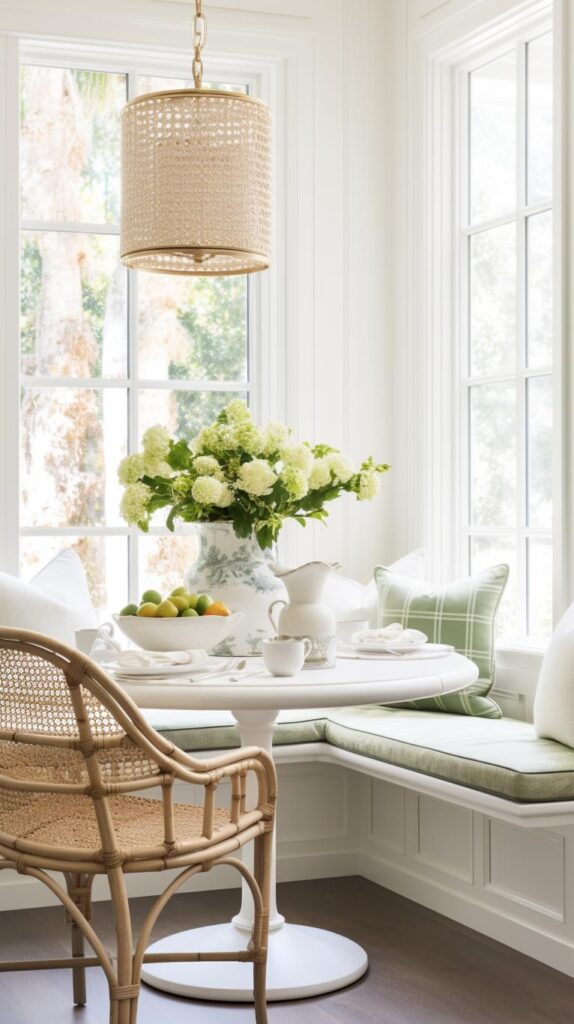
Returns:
point(387, 815)
point(526, 867)
point(313, 804)
point(444, 837)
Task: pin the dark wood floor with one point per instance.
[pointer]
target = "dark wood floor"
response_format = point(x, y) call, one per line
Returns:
point(424, 968)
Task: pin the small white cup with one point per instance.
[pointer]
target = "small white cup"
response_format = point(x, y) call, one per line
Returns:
point(346, 629)
point(284, 656)
point(97, 642)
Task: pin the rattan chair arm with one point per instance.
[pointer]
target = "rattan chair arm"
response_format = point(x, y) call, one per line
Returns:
point(45, 739)
point(258, 762)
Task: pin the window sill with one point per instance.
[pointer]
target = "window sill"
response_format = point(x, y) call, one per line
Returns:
point(520, 652)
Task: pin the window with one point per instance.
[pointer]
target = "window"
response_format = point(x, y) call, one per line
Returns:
point(104, 354)
point(505, 302)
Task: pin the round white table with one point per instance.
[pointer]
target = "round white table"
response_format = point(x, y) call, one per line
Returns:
point(303, 961)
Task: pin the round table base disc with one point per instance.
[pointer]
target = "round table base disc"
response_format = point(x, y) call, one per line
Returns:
point(302, 962)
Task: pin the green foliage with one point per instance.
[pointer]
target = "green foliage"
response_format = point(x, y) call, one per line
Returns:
point(101, 95)
point(94, 298)
point(30, 283)
point(214, 319)
point(230, 471)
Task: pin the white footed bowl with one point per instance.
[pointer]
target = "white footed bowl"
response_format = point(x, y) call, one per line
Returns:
point(182, 634)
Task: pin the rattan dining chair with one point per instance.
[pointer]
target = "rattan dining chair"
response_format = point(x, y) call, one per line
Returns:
point(73, 750)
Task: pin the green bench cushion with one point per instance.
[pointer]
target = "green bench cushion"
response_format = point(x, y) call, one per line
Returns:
point(216, 730)
point(500, 756)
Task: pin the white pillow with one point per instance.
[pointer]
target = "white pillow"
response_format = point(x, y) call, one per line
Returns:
point(55, 602)
point(412, 565)
point(344, 596)
point(554, 698)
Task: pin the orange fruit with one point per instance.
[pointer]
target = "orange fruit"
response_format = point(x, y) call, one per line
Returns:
point(217, 608)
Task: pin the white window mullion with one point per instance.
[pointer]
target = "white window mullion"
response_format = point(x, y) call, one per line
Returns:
point(461, 334)
point(9, 304)
point(521, 385)
point(73, 228)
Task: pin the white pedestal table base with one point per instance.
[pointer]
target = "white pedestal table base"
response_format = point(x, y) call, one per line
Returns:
point(301, 962)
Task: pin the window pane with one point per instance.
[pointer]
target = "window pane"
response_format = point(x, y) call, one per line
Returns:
point(202, 324)
point(105, 562)
point(493, 139)
point(488, 551)
point(73, 319)
point(182, 413)
point(493, 454)
point(71, 442)
point(493, 300)
point(164, 561)
point(539, 293)
point(70, 144)
point(540, 587)
point(540, 113)
point(539, 444)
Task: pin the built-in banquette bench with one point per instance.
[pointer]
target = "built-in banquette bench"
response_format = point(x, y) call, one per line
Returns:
point(473, 817)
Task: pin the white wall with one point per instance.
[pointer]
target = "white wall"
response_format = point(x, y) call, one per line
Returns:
point(326, 362)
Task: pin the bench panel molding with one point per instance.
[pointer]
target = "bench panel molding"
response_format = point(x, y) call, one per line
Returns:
point(526, 868)
point(444, 837)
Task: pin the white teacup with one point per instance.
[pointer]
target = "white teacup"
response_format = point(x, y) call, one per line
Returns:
point(97, 642)
point(284, 656)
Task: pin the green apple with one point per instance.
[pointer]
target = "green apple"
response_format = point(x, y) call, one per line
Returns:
point(193, 599)
point(147, 610)
point(202, 604)
point(130, 609)
point(179, 592)
point(152, 596)
point(181, 602)
point(189, 613)
point(167, 610)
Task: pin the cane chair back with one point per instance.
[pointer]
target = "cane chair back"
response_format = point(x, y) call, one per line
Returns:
point(73, 746)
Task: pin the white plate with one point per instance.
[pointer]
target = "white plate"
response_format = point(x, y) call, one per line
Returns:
point(157, 671)
point(374, 650)
point(380, 647)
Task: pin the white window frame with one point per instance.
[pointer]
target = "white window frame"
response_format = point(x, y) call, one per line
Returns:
point(521, 532)
point(264, 78)
point(32, 53)
point(431, 492)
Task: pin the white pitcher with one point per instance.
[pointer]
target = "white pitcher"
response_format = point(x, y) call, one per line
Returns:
point(305, 615)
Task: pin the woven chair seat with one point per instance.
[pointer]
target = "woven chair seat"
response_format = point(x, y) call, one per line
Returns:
point(68, 820)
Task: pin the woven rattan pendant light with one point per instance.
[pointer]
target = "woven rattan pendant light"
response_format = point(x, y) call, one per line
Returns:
point(196, 179)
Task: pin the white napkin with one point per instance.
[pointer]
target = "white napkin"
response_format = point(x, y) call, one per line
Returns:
point(391, 634)
point(144, 659)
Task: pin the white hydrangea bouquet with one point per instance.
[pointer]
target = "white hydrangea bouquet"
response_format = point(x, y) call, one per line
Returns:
point(234, 471)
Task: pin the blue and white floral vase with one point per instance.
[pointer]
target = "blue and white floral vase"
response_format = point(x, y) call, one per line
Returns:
point(236, 571)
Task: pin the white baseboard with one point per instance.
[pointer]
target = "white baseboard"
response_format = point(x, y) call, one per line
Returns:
point(20, 893)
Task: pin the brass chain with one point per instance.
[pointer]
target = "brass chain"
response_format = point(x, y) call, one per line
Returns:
point(199, 39)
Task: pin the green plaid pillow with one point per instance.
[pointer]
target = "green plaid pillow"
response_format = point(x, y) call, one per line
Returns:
point(463, 614)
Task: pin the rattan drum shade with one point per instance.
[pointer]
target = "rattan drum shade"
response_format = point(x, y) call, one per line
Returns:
point(196, 183)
